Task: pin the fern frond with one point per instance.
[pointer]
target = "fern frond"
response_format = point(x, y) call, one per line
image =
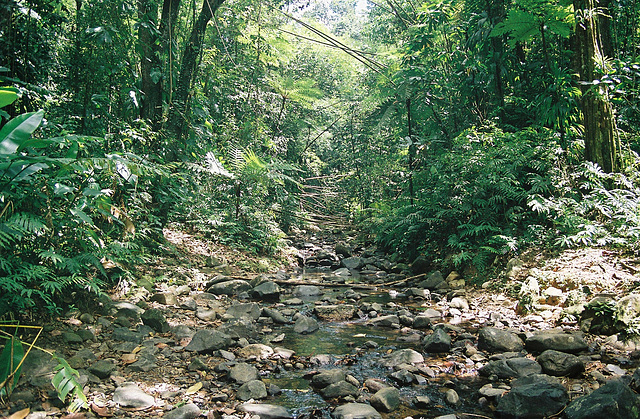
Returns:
point(67, 386)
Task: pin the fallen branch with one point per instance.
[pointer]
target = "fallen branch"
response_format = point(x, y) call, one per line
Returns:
point(319, 284)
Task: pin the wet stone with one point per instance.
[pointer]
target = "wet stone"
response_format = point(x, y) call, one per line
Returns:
point(242, 373)
point(188, 411)
point(328, 377)
point(207, 341)
point(558, 340)
point(254, 389)
point(402, 356)
point(265, 411)
point(305, 325)
point(533, 396)
point(386, 399)
point(339, 389)
point(499, 340)
point(439, 341)
point(613, 400)
point(355, 411)
point(560, 363)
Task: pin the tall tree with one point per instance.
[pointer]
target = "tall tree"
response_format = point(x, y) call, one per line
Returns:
point(602, 144)
point(188, 67)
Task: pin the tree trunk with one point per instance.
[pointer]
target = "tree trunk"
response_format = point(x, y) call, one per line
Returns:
point(602, 145)
point(178, 110)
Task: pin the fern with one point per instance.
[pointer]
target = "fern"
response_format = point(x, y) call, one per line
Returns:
point(65, 381)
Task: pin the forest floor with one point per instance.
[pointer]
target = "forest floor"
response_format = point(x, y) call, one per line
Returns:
point(175, 378)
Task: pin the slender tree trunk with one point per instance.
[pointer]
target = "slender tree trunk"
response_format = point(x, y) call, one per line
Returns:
point(602, 145)
point(150, 63)
point(412, 150)
point(188, 68)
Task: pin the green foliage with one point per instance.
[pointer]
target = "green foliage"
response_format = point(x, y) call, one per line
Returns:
point(10, 366)
point(65, 381)
point(471, 204)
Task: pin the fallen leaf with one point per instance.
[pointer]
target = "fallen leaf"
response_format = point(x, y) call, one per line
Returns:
point(162, 345)
point(100, 411)
point(136, 350)
point(129, 359)
point(20, 414)
point(194, 388)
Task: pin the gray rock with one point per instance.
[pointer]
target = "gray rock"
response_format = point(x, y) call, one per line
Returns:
point(239, 329)
point(254, 389)
point(232, 287)
point(305, 325)
point(459, 303)
point(339, 389)
point(437, 342)
point(335, 312)
point(498, 340)
point(265, 411)
point(386, 321)
point(275, 315)
point(102, 369)
point(343, 249)
point(403, 377)
point(353, 262)
point(127, 309)
point(144, 364)
point(402, 356)
point(207, 341)
point(433, 281)
point(560, 364)
point(534, 396)
point(130, 395)
point(268, 291)
point(85, 334)
point(613, 400)
point(126, 335)
point(155, 319)
point(249, 311)
point(512, 367)
point(386, 399)
point(71, 338)
point(355, 411)
point(257, 350)
point(165, 298)
point(558, 340)
point(328, 377)
point(421, 322)
point(451, 397)
point(243, 373)
point(207, 315)
point(306, 291)
point(417, 292)
point(188, 411)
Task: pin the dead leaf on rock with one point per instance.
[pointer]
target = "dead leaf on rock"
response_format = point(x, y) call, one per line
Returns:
point(162, 345)
point(136, 350)
point(129, 359)
point(101, 411)
point(19, 414)
point(74, 416)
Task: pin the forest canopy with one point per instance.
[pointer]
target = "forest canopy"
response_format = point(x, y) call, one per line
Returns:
point(460, 131)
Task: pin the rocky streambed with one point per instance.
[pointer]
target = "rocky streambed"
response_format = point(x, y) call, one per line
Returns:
point(348, 335)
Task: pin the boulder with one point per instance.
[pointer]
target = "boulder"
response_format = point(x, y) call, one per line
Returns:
point(335, 312)
point(328, 377)
point(353, 262)
point(188, 411)
point(243, 373)
point(613, 400)
point(275, 315)
point(265, 411)
point(386, 399)
point(207, 341)
point(512, 367)
point(339, 389)
point(257, 350)
point(493, 339)
point(355, 411)
point(250, 311)
point(402, 356)
point(131, 396)
point(155, 319)
point(437, 342)
point(343, 249)
point(231, 287)
point(254, 389)
point(560, 364)
point(534, 396)
point(432, 281)
point(305, 325)
point(267, 291)
point(307, 291)
point(555, 339)
point(420, 265)
point(386, 321)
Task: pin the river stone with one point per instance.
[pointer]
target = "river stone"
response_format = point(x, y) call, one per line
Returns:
point(269, 291)
point(207, 341)
point(402, 377)
point(328, 377)
point(402, 356)
point(243, 373)
point(275, 315)
point(512, 367)
point(353, 262)
point(355, 411)
point(257, 350)
point(451, 397)
point(305, 325)
point(249, 311)
point(386, 399)
point(265, 411)
point(232, 287)
point(335, 312)
point(555, 339)
point(433, 281)
point(386, 321)
point(207, 315)
point(165, 298)
point(343, 249)
point(421, 322)
point(613, 400)
point(126, 335)
point(306, 291)
point(459, 303)
point(188, 411)
point(628, 309)
point(339, 389)
point(437, 342)
point(560, 364)
point(38, 368)
point(534, 396)
point(242, 328)
point(254, 389)
point(130, 395)
point(498, 340)
point(71, 338)
point(102, 369)
point(127, 309)
point(155, 319)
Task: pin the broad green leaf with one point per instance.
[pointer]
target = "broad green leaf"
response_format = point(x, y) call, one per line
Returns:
point(10, 358)
point(7, 96)
point(18, 130)
point(81, 215)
